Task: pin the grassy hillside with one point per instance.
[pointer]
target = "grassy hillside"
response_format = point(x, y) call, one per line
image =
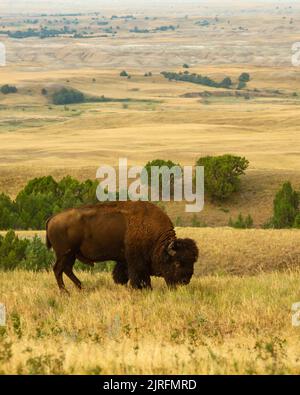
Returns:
point(39, 138)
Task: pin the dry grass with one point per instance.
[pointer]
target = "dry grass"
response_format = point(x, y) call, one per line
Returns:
point(177, 128)
point(244, 252)
point(214, 325)
point(220, 323)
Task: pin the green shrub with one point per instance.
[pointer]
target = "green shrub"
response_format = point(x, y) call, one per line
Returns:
point(196, 223)
point(43, 197)
point(226, 83)
point(178, 221)
point(241, 222)
point(123, 74)
point(297, 221)
point(8, 214)
point(37, 256)
point(68, 96)
point(6, 89)
point(221, 174)
point(197, 79)
point(241, 85)
point(12, 251)
point(16, 253)
point(160, 163)
point(32, 254)
point(245, 77)
point(285, 207)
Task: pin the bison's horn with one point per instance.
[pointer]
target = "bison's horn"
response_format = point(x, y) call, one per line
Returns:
point(170, 249)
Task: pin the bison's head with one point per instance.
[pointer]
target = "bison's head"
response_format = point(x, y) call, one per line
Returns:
point(181, 254)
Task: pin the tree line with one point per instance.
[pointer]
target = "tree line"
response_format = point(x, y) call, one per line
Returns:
point(204, 80)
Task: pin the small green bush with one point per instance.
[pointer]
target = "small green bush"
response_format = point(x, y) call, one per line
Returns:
point(297, 221)
point(226, 83)
point(221, 174)
point(160, 163)
point(245, 77)
point(286, 207)
point(241, 85)
point(12, 251)
point(6, 89)
point(241, 222)
point(37, 256)
point(68, 96)
point(178, 221)
point(196, 223)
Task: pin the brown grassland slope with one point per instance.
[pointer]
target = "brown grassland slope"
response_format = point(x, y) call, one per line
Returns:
point(38, 138)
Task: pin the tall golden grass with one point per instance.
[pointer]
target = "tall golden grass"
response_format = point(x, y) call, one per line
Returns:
point(217, 324)
point(225, 321)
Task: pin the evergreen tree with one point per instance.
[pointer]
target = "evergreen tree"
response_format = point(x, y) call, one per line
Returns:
point(285, 207)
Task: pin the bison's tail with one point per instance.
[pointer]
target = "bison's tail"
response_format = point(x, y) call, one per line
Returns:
point(48, 243)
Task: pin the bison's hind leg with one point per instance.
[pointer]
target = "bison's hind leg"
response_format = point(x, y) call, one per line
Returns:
point(58, 269)
point(68, 269)
point(120, 273)
point(64, 264)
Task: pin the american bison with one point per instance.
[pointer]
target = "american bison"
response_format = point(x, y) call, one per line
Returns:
point(139, 236)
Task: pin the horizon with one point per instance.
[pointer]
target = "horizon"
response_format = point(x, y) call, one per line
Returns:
point(75, 6)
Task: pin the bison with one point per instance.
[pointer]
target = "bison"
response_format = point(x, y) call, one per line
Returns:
point(139, 236)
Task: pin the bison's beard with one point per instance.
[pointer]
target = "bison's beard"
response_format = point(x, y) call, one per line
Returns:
point(175, 279)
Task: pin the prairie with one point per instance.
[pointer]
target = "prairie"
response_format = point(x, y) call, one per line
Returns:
point(235, 316)
point(38, 138)
point(215, 325)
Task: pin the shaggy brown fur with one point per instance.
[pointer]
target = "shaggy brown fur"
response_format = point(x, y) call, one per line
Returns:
point(139, 236)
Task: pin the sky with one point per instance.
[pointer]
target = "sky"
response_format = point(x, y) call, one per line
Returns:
point(58, 6)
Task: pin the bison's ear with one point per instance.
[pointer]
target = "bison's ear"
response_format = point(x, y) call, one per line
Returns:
point(171, 248)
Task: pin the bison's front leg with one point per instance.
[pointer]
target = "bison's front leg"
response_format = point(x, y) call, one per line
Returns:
point(140, 280)
point(120, 273)
point(138, 273)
